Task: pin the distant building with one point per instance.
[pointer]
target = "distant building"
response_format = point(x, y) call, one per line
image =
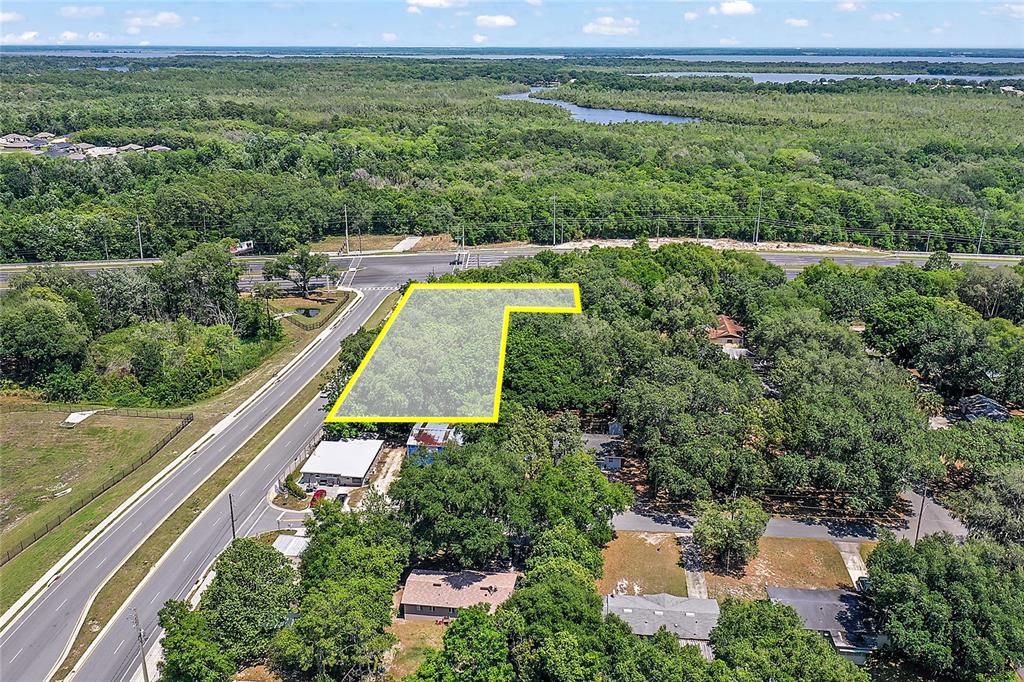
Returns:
point(344, 463)
point(841, 616)
point(101, 151)
point(980, 406)
point(442, 594)
point(690, 620)
point(158, 148)
point(43, 136)
point(130, 148)
point(429, 438)
point(11, 138)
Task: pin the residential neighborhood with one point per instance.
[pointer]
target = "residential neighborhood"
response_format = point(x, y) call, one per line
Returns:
point(61, 147)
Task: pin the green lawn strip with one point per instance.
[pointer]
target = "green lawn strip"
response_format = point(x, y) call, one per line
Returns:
point(119, 587)
point(21, 572)
point(382, 311)
point(39, 458)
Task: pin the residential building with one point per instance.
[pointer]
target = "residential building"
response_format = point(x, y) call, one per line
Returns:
point(690, 620)
point(841, 616)
point(429, 438)
point(130, 148)
point(101, 151)
point(442, 594)
point(728, 331)
point(979, 406)
point(340, 464)
point(43, 136)
point(11, 138)
point(158, 148)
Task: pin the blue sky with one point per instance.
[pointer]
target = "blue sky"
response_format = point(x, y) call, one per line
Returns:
point(518, 23)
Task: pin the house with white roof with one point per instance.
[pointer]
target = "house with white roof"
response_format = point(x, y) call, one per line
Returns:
point(343, 463)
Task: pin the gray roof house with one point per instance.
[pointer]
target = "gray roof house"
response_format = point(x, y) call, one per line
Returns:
point(690, 620)
point(842, 616)
point(980, 406)
point(130, 148)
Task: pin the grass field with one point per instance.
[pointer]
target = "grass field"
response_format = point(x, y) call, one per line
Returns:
point(784, 562)
point(415, 639)
point(39, 458)
point(382, 311)
point(643, 563)
point(368, 242)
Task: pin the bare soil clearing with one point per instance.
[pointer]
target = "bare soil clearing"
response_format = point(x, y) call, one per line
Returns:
point(643, 563)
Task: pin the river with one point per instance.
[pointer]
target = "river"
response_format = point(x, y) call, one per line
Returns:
point(602, 116)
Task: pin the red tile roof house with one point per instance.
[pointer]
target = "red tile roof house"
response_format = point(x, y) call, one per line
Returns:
point(442, 594)
point(728, 331)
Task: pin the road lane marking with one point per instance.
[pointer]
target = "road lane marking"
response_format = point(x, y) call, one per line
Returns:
point(16, 655)
point(62, 604)
point(154, 597)
point(119, 646)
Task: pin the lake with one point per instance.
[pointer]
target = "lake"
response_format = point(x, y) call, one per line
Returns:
point(790, 77)
point(833, 58)
point(602, 116)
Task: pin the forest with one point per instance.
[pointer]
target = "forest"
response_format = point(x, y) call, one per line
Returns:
point(815, 410)
point(286, 151)
point(162, 336)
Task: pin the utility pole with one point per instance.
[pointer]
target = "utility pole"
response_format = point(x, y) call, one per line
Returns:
point(346, 232)
point(138, 231)
point(553, 198)
point(928, 244)
point(142, 643)
point(231, 510)
point(757, 224)
point(984, 219)
point(920, 514)
point(699, 219)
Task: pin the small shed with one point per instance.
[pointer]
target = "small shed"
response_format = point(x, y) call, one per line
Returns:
point(429, 438)
point(728, 331)
point(345, 463)
point(292, 546)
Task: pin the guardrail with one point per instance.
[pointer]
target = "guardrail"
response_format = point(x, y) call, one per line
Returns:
point(184, 420)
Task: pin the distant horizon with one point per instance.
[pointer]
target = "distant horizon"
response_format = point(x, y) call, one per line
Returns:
point(484, 49)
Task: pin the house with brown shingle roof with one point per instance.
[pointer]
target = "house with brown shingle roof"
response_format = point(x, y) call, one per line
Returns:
point(442, 594)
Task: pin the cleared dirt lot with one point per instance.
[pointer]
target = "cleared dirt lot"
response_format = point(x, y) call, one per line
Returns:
point(643, 563)
point(39, 458)
point(783, 562)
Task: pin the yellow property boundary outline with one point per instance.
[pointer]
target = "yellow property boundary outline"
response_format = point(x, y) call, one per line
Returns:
point(332, 416)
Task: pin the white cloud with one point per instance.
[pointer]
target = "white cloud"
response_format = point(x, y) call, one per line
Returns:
point(388, 37)
point(535, 3)
point(479, 39)
point(610, 26)
point(436, 4)
point(495, 21)
point(886, 16)
point(728, 41)
point(20, 38)
point(97, 35)
point(849, 6)
point(1016, 11)
point(798, 23)
point(137, 21)
point(690, 16)
point(68, 36)
point(937, 31)
point(413, 9)
point(81, 11)
point(734, 8)
point(827, 35)
point(8, 17)
point(143, 43)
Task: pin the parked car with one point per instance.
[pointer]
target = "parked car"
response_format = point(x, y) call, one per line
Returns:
point(864, 584)
point(317, 497)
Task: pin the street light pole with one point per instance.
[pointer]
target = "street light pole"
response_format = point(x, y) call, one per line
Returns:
point(920, 514)
point(757, 224)
point(553, 229)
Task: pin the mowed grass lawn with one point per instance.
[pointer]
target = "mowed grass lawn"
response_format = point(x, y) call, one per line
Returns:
point(783, 562)
point(643, 563)
point(39, 458)
point(415, 638)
